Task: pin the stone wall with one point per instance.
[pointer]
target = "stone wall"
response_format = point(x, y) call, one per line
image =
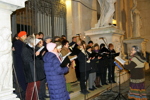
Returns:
point(144, 8)
point(79, 17)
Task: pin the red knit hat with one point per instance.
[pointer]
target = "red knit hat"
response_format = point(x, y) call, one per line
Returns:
point(22, 33)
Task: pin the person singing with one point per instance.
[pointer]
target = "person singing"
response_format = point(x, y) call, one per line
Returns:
point(137, 79)
point(55, 73)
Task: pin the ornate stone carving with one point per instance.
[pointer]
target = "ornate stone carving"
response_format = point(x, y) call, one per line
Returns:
point(107, 10)
point(5, 59)
point(136, 20)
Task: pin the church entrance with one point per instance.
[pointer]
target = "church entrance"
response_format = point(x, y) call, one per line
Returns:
point(47, 16)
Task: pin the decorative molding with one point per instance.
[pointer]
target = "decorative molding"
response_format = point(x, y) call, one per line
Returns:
point(11, 5)
point(106, 30)
point(135, 40)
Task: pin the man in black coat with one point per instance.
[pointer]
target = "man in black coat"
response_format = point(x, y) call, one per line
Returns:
point(84, 68)
point(33, 71)
point(18, 44)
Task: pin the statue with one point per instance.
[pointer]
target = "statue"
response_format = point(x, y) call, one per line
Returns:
point(5, 59)
point(136, 22)
point(107, 10)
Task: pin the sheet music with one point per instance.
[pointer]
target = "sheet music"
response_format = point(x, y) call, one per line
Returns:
point(41, 49)
point(73, 58)
point(120, 60)
point(66, 56)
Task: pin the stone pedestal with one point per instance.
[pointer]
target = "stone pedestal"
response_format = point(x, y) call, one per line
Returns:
point(110, 35)
point(8, 95)
point(6, 85)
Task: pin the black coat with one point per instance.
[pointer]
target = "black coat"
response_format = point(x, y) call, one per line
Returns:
point(31, 75)
point(104, 61)
point(112, 57)
point(40, 63)
point(19, 64)
point(93, 64)
point(83, 65)
point(75, 50)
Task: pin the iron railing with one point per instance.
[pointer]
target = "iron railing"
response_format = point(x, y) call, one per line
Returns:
point(47, 16)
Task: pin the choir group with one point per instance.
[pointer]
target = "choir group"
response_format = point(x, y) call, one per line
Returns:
point(57, 63)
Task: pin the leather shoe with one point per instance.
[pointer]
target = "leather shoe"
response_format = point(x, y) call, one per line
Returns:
point(91, 89)
point(94, 87)
point(85, 92)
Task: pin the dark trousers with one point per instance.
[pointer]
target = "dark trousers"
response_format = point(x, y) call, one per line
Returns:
point(42, 91)
point(83, 79)
point(111, 70)
point(32, 90)
point(101, 77)
point(77, 69)
point(104, 74)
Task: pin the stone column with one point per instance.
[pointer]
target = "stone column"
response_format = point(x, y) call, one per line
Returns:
point(6, 85)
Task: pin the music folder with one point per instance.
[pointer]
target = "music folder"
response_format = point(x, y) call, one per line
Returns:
point(120, 68)
point(120, 60)
point(65, 62)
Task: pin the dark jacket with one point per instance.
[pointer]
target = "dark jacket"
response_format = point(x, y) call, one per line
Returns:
point(40, 64)
point(31, 75)
point(55, 77)
point(104, 61)
point(93, 63)
point(112, 57)
point(136, 67)
point(83, 65)
point(19, 64)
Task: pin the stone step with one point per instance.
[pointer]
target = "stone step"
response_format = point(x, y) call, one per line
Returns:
point(7, 94)
point(9, 97)
point(6, 91)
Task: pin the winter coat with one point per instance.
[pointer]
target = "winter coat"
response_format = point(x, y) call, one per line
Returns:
point(136, 67)
point(83, 65)
point(40, 64)
point(55, 77)
point(28, 61)
point(71, 75)
point(19, 64)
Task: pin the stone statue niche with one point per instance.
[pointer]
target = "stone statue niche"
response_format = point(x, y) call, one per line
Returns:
point(107, 10)
point(5, 60)
point(135, 20)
